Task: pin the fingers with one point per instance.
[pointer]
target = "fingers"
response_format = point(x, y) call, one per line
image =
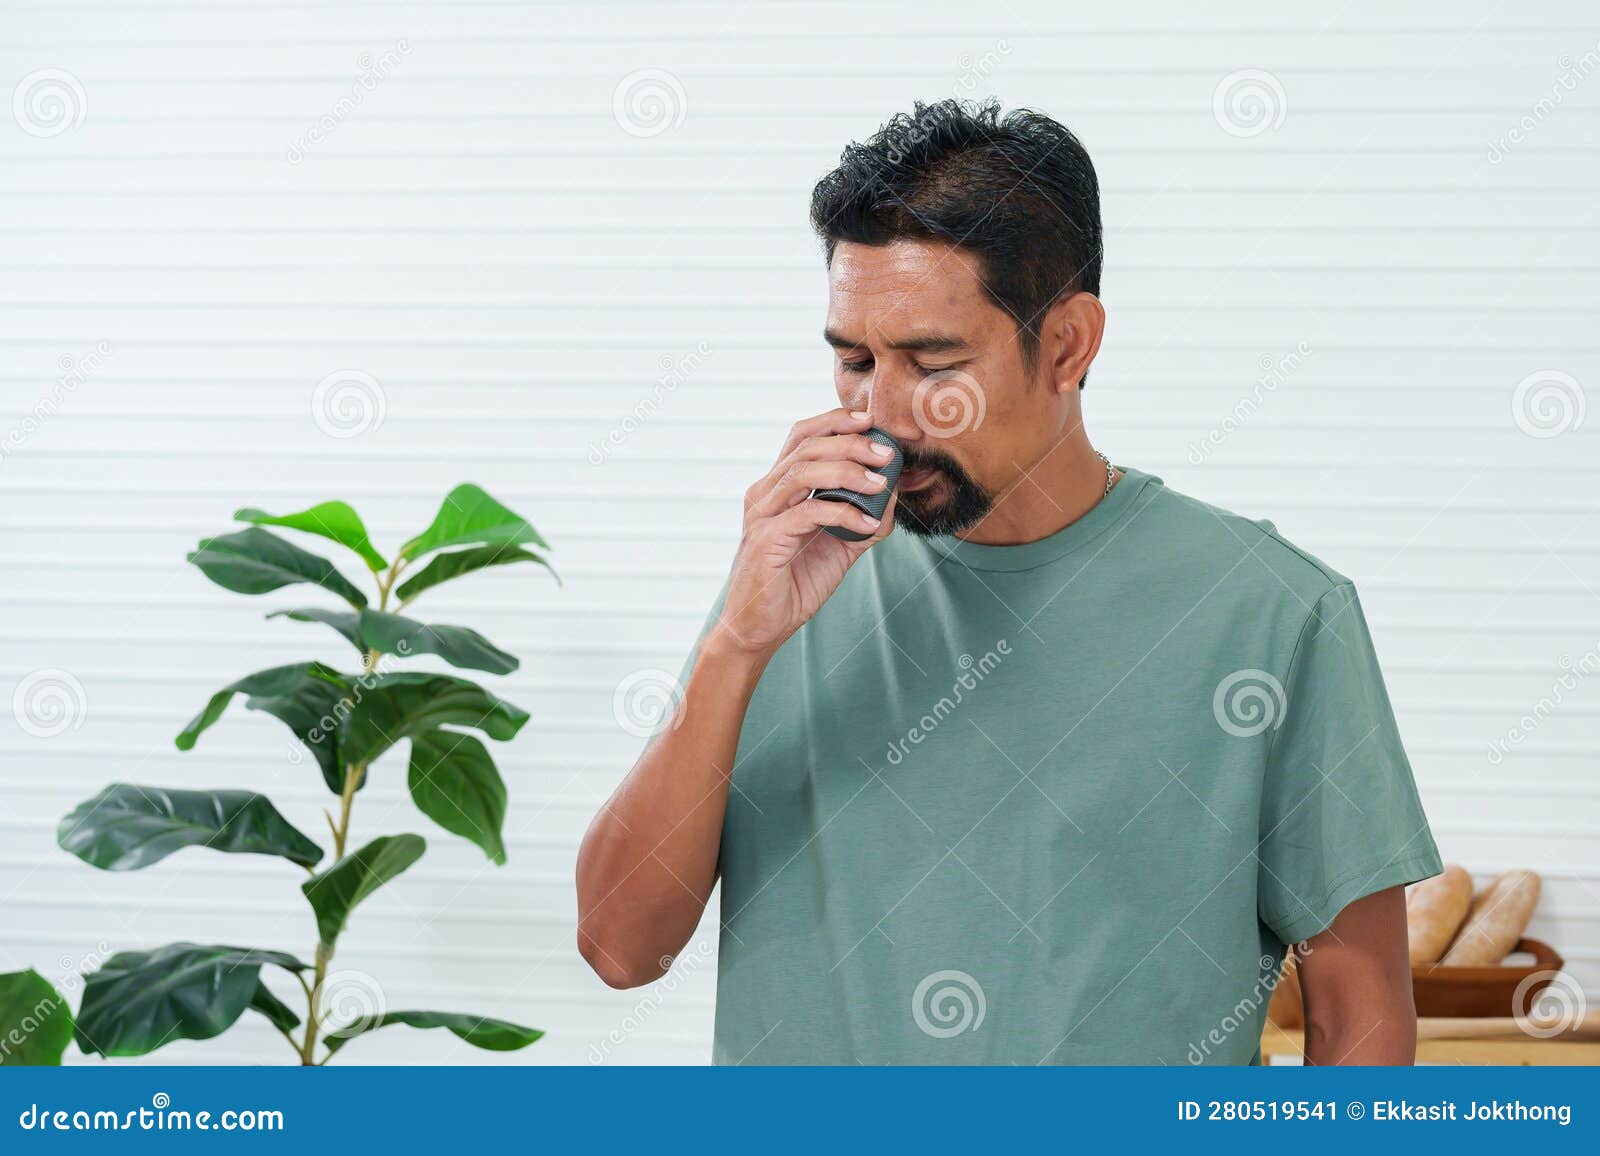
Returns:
point(815, 513)
point(835, 421)
point(850, 461)
point(800, 478)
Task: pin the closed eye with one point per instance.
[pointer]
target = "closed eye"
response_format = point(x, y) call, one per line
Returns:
point(854, 366)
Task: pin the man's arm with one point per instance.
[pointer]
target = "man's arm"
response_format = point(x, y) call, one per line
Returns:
point(649, 860)
point(1355, 978)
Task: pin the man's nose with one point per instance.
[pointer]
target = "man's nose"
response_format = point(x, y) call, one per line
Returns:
point(893, 407)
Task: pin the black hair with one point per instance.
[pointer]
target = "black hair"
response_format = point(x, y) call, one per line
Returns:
point(1018, 190)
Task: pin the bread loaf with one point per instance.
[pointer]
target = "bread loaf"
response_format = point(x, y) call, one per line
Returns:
point(1435, 909)
point(1497, 919)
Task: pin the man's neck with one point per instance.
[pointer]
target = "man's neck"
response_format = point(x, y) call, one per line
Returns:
point(1055, 491)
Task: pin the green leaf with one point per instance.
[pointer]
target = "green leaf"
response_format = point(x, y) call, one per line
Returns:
point(454, 782)
point(397, 706)
point(255, 562)
point(479, 1031)
point(125, 827)
point(335, 893)
point(470, 517)
point(35, 1021)
point(141, 1000)
point(307, 697)
point(281, 1014)
point(443, 567)
point(337, 521)
point(393, 634)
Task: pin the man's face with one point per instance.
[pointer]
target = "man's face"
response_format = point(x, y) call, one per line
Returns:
point(919, 344)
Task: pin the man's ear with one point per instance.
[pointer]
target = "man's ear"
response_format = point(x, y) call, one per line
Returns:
point(1070, 337)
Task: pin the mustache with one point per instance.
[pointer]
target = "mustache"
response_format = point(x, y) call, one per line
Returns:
point(932, 460)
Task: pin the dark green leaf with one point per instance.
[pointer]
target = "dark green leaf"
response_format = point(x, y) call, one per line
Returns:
point(396, 706)
point(454, 782)
point(255, 562)
point(269, 1005)
point(141, 1000)
point(479, 1031)
point(334, 520)
point(470, 517)
point(309, 698)
point(443, 567)
point(35, 1021)
point(392, 634)
point(336, 892)
point(125, 827)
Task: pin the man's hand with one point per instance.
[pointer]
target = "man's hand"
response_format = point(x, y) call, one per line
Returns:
point(1355, 979)
point(785, 570)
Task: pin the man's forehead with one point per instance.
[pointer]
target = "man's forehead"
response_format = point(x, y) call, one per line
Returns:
point(902, 288)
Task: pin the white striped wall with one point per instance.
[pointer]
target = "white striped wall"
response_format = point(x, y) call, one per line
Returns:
point(483, 237)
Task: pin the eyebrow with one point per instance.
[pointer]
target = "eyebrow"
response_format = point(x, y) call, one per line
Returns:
point(921, 343)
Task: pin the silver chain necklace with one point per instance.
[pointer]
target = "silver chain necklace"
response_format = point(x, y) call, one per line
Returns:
point(1111, 473)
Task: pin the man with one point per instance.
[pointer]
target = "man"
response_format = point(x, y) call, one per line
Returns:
point(1054, 773)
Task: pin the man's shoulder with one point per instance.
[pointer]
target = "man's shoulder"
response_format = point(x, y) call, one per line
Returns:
point(1186, 531)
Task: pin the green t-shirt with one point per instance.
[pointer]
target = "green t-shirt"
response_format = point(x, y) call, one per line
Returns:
point(1062, 802)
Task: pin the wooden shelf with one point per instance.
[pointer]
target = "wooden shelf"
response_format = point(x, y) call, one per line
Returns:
point(1449, 1042)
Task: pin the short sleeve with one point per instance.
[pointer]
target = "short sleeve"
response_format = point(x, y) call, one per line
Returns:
point(1340, 817)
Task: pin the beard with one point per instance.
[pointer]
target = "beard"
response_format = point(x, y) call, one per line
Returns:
point(953, 502)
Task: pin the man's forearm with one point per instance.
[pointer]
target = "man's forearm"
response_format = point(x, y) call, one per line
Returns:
point(648, 863)
point(1372, 1035)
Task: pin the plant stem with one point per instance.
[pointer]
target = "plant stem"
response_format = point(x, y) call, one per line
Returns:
point(353, 774)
